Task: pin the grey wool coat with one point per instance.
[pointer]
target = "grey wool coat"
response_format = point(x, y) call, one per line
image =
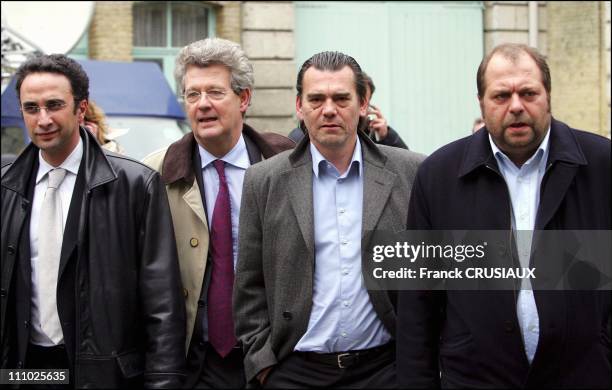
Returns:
point(273, 288)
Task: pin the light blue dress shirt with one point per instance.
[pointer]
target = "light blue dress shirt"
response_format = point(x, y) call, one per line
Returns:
point(236, 163)
point(524, 187)
point(342, 316)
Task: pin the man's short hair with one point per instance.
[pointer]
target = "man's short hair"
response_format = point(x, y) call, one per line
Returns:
point(59, 64)
point(333, 61)
point(512, 52)
point(216, 51)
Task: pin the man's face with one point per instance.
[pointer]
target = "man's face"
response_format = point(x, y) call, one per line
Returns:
point(215, 121)
point(515, 106)
point(330, 107)
point(55, 130)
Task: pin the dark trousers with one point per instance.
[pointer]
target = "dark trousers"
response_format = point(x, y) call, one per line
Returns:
point(48, 358)
point(373, 368)
point(208, 370)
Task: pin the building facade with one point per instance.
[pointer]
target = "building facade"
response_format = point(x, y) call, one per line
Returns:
point(575, 37)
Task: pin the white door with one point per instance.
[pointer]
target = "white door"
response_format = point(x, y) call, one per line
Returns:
point(422, 56)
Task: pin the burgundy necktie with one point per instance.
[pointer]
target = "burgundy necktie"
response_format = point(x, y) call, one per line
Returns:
point(220, 321)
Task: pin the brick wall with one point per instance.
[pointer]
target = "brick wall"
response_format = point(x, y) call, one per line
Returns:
point(268, 40)
point(575, 38)
point(577, 64)
point(606, 67)
point(110, 33)
point(508, 21)
point(229, 24)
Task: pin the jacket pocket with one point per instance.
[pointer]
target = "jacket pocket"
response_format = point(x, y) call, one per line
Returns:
point(124, 371)
point(131, 364)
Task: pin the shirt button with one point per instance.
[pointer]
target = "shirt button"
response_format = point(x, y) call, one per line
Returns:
point(344, 334)
point(342, 211)
point(344, 271)
point(345, 303)
point(344, 242)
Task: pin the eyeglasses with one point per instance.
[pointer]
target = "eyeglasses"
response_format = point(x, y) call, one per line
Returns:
point(193, 96)
point(51, 106)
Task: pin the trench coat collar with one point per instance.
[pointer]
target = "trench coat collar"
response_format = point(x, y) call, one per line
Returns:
point(178, 163)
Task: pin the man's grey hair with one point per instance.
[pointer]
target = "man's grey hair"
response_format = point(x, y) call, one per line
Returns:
point(212, 51)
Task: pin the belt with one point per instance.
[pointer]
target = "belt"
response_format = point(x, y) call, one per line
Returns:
point(349, 358)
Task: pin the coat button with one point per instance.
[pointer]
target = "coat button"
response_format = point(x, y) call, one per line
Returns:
point(19, 364)
point(185, 292)
point(287, 315)
point(3, 293)
point(201, 303)
point(193, 242)
point(508, 327)
point(26, 324)
point(11, 249)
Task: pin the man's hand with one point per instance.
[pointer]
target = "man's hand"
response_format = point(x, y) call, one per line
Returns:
point(378, 124)
point(263, 375)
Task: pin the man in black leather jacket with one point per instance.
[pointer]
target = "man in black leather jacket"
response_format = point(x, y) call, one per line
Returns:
point(114, 313)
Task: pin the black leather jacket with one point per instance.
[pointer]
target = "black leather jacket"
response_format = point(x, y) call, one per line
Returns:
point(119, 292)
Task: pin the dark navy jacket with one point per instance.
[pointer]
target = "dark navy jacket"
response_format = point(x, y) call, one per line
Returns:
point(473, 338)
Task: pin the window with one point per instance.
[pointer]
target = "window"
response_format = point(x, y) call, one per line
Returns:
point(161, 29)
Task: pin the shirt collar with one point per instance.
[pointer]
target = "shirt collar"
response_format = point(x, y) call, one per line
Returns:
point(539, 156)
point(238, 156)
point(71, 163)
point(319, 162)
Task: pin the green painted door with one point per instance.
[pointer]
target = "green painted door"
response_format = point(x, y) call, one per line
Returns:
point(422, 56)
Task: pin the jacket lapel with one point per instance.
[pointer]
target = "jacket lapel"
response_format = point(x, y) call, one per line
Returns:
point(193, 199)
point(299, 187)
point(564, 160)
point(377, 185)
point(71, 231)
point(95, 170)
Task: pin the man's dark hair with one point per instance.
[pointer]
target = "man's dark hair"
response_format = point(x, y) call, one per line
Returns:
point(333, 61)
point(512, 52)
point(60, 64)
point(369, 83)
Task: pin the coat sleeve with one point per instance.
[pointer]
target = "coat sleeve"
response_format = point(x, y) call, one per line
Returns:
point(418, 317)
point(250, 304)
point(161, 292)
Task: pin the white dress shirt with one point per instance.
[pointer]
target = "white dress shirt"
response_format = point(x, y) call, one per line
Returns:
point(71, 165)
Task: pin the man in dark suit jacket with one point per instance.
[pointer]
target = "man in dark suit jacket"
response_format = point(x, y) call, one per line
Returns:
point(524, 171)
point(303, 313)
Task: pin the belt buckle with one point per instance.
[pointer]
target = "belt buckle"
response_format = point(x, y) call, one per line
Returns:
point(339, 357)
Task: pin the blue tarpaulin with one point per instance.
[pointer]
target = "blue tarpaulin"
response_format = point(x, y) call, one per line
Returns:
point(120, 88)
